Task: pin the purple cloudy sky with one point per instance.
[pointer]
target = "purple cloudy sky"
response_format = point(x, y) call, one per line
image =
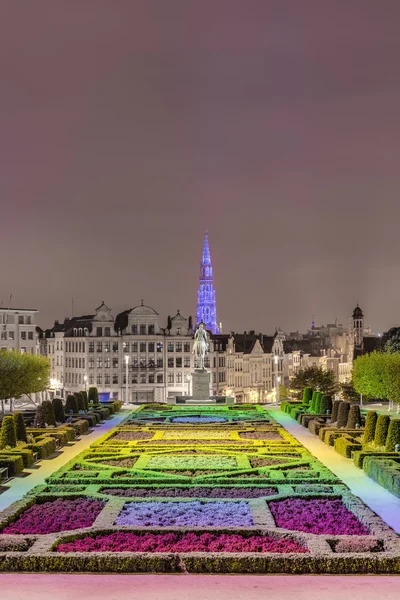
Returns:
point(128, 127)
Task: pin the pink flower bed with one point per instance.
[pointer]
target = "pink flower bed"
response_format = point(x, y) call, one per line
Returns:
point(57, 515)
point(319, 516)
point(173, 542)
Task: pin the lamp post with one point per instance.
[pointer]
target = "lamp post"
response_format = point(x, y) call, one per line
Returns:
point(85, 380)
point(188, 384)
point(126, 377)
point(277, 379)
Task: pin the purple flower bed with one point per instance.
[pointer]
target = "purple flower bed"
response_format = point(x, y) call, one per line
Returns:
point(194, 492)
point(57, 515)
point(173, 542)
point(198, 420)
point(181, 514)
point(319, 516)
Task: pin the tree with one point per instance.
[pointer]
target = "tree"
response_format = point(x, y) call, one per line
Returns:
point(390, 341)
point(283, 392)
point(348, 392)
point(8, 436)
point(378, 375)
point(22, 374)
point(316, 378)
point(20, 429)
point(93, 396)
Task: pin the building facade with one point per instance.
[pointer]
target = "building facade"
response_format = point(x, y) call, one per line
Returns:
point(18, 330)
point(206, 299)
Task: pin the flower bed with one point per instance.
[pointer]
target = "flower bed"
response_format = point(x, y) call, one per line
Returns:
point(123, 462)
point(265, 462)
point(57, 515)
point(130, 436)
point(185, 514)
point(261, 435)
point(319, 516)
point(198, 420)
point(170, 461)
point(191, 492)
point(174, 542)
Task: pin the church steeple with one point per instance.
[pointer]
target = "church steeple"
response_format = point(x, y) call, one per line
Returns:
point(206, 303)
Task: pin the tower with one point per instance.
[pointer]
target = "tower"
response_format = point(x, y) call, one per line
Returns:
point(206, 303)
point(357, 322)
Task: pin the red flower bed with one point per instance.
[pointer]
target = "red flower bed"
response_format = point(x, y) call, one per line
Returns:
point(174, 542)
point(57, 515)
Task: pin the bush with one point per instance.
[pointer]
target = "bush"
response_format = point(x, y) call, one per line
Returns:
point(307, 395)
point(393, 436)
point(346, 445)
point(93, 395)
point(317, 405)
point(370, 425)
point(58, 408)
point(40, 417)
point(80, 401)
point(20, 429)
point(49, 415)
point(354, 417)
point(343, 414)
point(43, 446)
point(8, 436)
point(326, 405)
point(85, 399)
point(313, 399)
point(385, 472)
point(382, 426)
point(14, 463)
point(335, 410)
point(71, 404)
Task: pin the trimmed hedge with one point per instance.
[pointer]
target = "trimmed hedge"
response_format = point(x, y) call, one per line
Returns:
point(361, 455)
point(8, 436)
point(384, 471)
point(370, 426)
point(15, 464)
point(20, 429)
point(393, 436)
point(71, 404)
point(43, 446)
point(382, 426)
point(93, 396)
point(40, 417)
point(354, 417)
point(335, 410)
point(313, 400)
point(85, 400)
point(343, 414)
point(80, 401)
point(49, 415)
point(326, 404)
point(346, 445)
point(58, 408)
point(317, 407)
point(307, 395)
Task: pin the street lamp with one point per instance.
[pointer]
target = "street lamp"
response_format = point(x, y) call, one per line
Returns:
point(277, 379)
point(188, 383)
point(126, 376)
point(85, 380)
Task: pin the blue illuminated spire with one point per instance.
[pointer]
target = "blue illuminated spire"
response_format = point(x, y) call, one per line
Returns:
point(206, 303)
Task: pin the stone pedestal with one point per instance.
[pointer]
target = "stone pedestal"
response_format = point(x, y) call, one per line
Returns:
point(201, 384)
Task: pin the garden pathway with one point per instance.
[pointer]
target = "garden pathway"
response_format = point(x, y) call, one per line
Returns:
point(382, 502)
point(19, 486)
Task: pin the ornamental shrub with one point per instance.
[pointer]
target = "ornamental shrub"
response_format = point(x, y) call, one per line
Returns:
point(335, 410)
point(93, 395)
point(20, 429)
point(393, 436)
point(370, 426)
point(8, 436)
point(80, 401)
point(71, 404)
point(307, 395)
point(49, 415)
point(354, 417)
point(312, 403)
point(326, 405)
point(317, 409)
point(381, 430)
point(343, 414)
point(40, 417)
point(85, 399)
point(58, 408)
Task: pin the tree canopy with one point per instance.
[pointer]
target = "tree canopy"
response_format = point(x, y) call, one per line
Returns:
point(378, 375)
point(22, 374)
point(316, 378)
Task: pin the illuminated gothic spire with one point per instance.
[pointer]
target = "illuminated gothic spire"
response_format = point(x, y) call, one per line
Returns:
point(206, 304)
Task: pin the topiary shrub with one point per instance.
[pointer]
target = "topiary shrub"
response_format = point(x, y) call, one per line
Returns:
point(49, 416)
point(71, 404)
point(307, 395)
point(370, 426)
point(80, 401)
point(354, 418)
point(326, 405)
point(313, 399)
point(85, 400)
point(8, 436)
point(40, 417)
point(393, 436)
point(318, 403)
point(20, 429)
point(335, 410)
point(93, 395)
point(381, 430)
point(343, 414)
point(58, 408)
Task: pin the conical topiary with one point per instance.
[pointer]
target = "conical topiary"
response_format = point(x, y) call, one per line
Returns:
point(20, 429)
point(343, 414)
point(393, 436)
point(354, 418)
point(8, 437)
point(40, 417)
point(85, 400)
point(370, 426)
point(71, 404)
point(49, 415)
point(326, 405)
point(335, 410)
point(79, 399)
point(381, 430)
point(58, 408)
point(317, 405)
point(93, 396)
point(307, 395)
point(313, 399)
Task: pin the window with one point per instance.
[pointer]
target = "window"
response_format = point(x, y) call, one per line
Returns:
point(58, 364)
point(107, 362)
point(30, 335)
point(107, 379)
point(134, 377)
point(23, 350)
point(107, 331)
point(160, 378)
point(23, 335)
point(80, 362)
point(99, 346)
point(151, 346)
point(142, 329)
point(142, 346)
point(115, 363)
point(91, 379)
point(83, 363)
point(179, 362)
point(187, 362)
point(115, 378)
point(186, 347)
point(178, 347)
point(142, 363)
point(83, 347)
point(4, 335)
point(134, 346)
point(28, 320)
point(179, 378)
point(151, 363)
point(107, 347)
point(160, 346)
point(151, 378)
point(207, 361)
point(80, 346)
point(221, 361)
point(91, 363)
point(143, 378)
point(134, 329)
point(99, 379)
point(178, 331)
point(170, 363)
point(125, 346)
point(99, 362)
point(91, 346)
point(170, 378)
point(99, 331)
point(79, 378)
point(20, 320)
point(151, 329)
point(10, 335)
point(170, 347)
point(135, 362)
point(57, 346)
point(160, 363)
point(115, 346)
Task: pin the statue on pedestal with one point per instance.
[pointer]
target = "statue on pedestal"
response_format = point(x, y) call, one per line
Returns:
point(200, 347)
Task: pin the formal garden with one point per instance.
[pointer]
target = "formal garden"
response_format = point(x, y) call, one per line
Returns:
point(195, 490)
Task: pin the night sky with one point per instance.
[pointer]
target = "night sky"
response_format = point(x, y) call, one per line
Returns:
point(129, 127)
